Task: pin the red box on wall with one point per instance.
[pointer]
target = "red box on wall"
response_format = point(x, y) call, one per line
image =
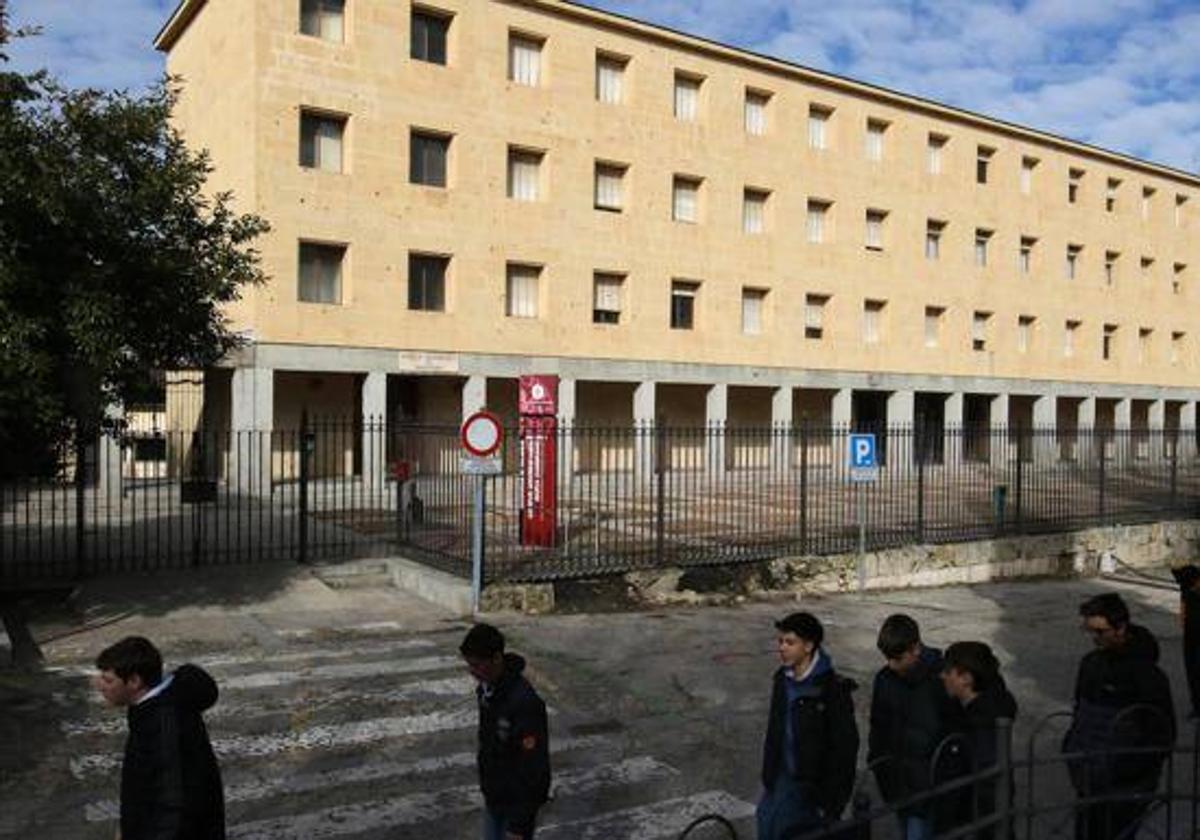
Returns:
point(538, 404)
point(537, 395)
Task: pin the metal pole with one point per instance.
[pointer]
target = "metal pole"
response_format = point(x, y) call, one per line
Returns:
point(1004, 791)
point(256, 443)
point(477, 545)
point(862, 536)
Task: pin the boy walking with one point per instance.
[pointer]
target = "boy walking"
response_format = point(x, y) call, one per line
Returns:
point(811, 744)
point(514, 750)
point(170, 783)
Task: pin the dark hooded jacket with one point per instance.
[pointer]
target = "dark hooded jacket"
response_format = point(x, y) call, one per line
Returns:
point(1189, 594)
point(1122, 701)
point(975, 735)
point(514, 750)
point(824, 737)
point(170, 783)
point(910, 715)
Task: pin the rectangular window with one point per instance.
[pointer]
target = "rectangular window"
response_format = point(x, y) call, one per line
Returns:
point(683, 304)
point(933, 325)
point(1177, 339)
point(610, 187)
point(610, 79)
point(1025, 333)
point(1145, 344)
point(1070, 329)
point(933, 238)
point(427, 155)
point(874, 232)
point(606, 297)
point(873, 320)
point(427, 282)
point(983, 159)
point(1147, 199)
point(521, 290)
point(979, 331)
point(817, 211)
point(1110, 267)
point(323, 19)
point(818, 126)
point(321, 141)
point(982, 238)
point(874, 139)
point(1074, 184)
point(814, 316)
point(752, 310)
point(321, 273)
point(1025, 255)
point(1073, 252)
point(1110, 194)
point(524, 174)
point(756, 112)
point(685, 199)
point(524, 60)
point(1180, 208)
point(933, 153)
point(1108, 343)
point(1028, 164)
point(1177, 273)
point(754, 211)
point(687, 97)
point(429, 31)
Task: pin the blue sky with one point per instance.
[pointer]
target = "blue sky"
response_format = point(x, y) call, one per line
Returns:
point(1122, 74)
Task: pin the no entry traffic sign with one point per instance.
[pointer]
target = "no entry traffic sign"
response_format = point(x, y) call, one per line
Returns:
point(482, 434)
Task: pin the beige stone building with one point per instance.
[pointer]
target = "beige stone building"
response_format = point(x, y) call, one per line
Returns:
point(462, 191)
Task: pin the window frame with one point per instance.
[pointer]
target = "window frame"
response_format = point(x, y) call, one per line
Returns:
point(339, 290)
point(418, 300)
point(429, 13)
point(682, 290)
point(433, 139)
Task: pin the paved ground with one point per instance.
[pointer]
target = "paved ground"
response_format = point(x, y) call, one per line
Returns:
point(345, 713)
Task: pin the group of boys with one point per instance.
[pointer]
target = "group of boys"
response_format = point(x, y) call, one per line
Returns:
point(922, 700)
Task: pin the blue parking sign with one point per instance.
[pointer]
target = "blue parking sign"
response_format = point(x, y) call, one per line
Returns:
point(862, 452)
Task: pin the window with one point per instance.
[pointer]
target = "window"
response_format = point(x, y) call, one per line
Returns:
point(683, 304)
point(933, 325)
point(1073, 252)
point(1070, 328)
point(1145, 344)
point(874, 232)
point(521, 290)
point(685, 200)
point(1147, 199)
point(321, 141)
point(752, 310)
point(321, 272)
point(1178, 271)
point(610, 78)
point(323, 19)
point(429, 30)
point(1147, 264)
point(606, 297)
point(979, 331)
point(1110, 194)
point(754, 211)
point(1025, 255)
point(817, 211)
point(1180, 207)
point(814, 316)
point(756, 112)
point(982, 238)
point(1108, 342)
point(983, 159)
point(427, 158)
point(933, 238)
point(1074, 182)
point(1110, 267)
point(427, 282)
point(933, 153)
point(873, 320)
point(524, 174)
point(610, 187)
point(1028, 164)
point(1025, 333)
point(1177, 339)
point(818, 126)
point(524, 60)
point(875, 130)
point(687, 97)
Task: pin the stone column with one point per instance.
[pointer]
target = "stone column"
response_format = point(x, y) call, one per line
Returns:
point(781, 429)
point(252, 421)
point(566, 437)
point(374, 431)
point(998, 423)
point(842, 408)
point(1045, 416)
point(1123, 414)
point(644, 425)
point(900, 432)
point(1187, 430)
point(716, 415)
point(109, 457)
point(474, 395)
point(1085, 448)
point(1156, 423)
point(953, 433)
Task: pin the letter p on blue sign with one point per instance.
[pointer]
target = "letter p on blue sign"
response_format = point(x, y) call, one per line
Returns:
point(862, 451)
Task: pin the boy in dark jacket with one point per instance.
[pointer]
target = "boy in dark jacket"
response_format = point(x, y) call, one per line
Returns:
point(170, 783)
point(812, 739)
point(514, 749)
point(1116, 683)
point(1188, 578)
point(910, 716)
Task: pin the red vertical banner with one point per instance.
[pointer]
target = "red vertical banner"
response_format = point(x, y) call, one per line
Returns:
point(538, 405)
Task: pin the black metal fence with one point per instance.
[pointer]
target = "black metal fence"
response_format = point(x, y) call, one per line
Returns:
point(627, 498)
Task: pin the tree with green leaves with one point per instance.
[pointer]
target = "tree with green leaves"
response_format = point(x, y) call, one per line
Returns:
point(115, 262)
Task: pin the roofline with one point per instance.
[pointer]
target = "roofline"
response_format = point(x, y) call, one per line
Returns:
point(176, 24)
point(578, 9)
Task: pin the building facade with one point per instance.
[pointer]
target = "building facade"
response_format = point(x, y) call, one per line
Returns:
point(464, 191)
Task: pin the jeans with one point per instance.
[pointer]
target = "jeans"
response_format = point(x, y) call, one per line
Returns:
point(785, 812)
point(495, 827)
point(916, 828)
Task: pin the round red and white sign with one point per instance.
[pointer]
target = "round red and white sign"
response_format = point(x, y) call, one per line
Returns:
point(482, 434)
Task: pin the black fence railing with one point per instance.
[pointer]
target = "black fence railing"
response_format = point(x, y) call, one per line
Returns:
point(626, 498)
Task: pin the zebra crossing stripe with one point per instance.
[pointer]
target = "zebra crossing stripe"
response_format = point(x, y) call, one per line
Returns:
point(259, 788)
point(421, 807)
point(663, 819)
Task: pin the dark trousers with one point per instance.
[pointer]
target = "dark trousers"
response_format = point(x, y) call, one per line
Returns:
point(1109, 821)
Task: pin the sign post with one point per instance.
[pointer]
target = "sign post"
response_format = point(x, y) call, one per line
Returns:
point(538, 406)
point(481, 436)
point(864, 468)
